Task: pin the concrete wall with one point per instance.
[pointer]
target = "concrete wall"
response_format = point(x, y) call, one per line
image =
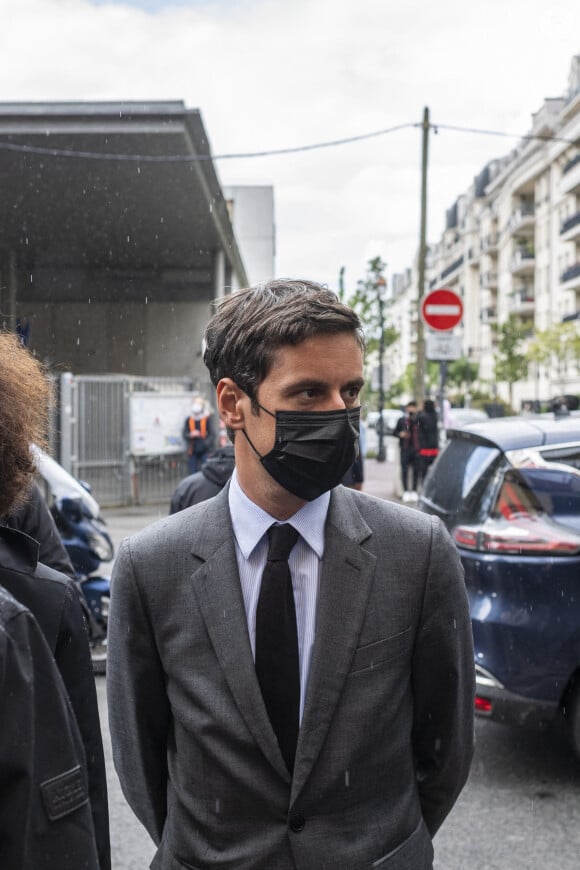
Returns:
point(137, 339)
point(252, 215)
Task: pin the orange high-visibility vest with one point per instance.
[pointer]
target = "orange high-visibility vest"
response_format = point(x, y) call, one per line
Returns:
point(202, 426)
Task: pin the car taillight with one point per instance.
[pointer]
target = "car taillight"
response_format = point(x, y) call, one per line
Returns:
point(482, 705)
point(523, 535)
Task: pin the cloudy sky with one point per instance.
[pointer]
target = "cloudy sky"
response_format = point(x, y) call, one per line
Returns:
point(270, 74)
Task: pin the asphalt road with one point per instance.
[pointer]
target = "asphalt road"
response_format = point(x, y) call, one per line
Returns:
point(520, 809)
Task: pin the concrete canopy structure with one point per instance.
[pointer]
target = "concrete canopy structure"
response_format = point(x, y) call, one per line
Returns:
point(114, 234)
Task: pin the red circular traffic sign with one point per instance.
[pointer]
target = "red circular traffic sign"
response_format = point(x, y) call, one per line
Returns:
point(442, 309)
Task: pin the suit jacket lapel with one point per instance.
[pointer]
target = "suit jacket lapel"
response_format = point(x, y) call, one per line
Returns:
point(345, 583)
point(217, 587)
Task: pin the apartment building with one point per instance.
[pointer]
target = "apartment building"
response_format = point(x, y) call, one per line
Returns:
point(511, 245)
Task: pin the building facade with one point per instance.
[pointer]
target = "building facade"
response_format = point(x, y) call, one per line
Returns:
point(511, 246)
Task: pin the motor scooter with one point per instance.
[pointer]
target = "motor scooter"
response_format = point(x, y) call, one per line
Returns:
point(88, 544)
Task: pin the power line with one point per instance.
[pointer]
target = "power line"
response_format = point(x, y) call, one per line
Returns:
point(42, 151)
point(540, 137)
point(191, 158)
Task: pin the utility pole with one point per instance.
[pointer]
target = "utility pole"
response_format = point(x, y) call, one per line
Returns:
point(380, 286)
point(420, 360)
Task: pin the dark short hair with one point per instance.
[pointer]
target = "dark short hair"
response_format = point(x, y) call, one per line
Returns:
point(24, 399)
point(249, 326)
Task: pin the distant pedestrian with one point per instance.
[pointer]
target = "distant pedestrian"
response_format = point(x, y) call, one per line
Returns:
point(407, 432)
point(198, 434)
point(428, 428)
point(206, 483)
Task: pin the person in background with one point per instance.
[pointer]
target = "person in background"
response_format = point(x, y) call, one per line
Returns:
point(48, 594)
point(45, 815)
point(428, 428)
point(33, 517)
point(408, 434)
point(290, 667)
point(206, 483)
point(198, 434)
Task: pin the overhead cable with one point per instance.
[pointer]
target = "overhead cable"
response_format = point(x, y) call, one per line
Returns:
point(44, 151)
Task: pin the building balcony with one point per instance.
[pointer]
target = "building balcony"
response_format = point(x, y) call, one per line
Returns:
point(489, 314)
point(570, 228)
point(522, 219)
point(488, 279)
point(570, 279)
point(489, 244)
point(523, 262)
point(453, 267)
point(570, 181)
point(522, 301)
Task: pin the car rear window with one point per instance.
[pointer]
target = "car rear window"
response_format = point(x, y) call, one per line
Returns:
point(554, 492)
point(463, 469)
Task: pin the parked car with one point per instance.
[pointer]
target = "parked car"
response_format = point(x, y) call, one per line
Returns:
point(390, 417)
point(460, 417)
point(509, 492)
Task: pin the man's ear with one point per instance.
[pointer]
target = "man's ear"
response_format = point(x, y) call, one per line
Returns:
point(230, 402)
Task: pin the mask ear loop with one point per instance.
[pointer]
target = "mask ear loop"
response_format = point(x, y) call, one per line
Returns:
point(247, 437)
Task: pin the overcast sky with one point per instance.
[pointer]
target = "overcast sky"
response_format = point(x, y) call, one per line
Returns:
point(268, 75)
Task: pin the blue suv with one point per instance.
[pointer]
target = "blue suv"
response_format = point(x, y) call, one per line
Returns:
point(508, 490)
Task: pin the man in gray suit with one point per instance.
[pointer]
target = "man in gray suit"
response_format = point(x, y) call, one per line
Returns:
point(294, 710)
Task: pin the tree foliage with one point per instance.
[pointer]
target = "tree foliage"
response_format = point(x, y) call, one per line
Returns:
point(462, 372)
point(559, 345)
point(367, 300)
point(511, 363)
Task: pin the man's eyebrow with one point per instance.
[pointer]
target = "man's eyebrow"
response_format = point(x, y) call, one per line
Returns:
point(313, 384)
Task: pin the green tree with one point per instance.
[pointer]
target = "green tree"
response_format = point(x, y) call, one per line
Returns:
point(511, 363)
point(406, 383)
point(557, 346)
point(462, 373)
point(367, 300)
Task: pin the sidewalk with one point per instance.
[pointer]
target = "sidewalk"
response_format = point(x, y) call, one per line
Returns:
point(380, 479)
point(124, 521)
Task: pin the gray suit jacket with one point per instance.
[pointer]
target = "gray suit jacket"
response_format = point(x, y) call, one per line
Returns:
point(387, 733)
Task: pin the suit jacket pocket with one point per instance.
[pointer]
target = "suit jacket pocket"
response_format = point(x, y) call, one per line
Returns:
point(416, 852)
point(166, 860)
point(371, 655)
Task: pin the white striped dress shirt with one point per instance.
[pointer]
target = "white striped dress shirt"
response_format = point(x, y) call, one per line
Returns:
point(250, 525)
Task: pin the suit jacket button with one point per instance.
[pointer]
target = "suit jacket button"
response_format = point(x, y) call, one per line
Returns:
point(297, 822)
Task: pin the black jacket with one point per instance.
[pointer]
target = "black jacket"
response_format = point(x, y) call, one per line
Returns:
point(205, 483)
point(428, 430)
point(45, 818)
point(53, 601)
point(35, 519)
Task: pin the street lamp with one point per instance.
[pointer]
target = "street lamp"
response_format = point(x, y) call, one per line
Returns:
point(380, 286)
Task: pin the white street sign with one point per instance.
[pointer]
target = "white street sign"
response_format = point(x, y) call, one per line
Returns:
point(442, 346)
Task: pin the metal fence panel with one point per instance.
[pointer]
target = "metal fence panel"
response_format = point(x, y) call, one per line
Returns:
point(94, 438)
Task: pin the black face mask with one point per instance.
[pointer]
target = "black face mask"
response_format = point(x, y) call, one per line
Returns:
point(313, 450)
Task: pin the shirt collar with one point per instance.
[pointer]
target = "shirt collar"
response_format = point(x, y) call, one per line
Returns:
point(250, 522)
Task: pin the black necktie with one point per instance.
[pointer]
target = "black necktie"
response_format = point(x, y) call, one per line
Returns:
point(277, 642)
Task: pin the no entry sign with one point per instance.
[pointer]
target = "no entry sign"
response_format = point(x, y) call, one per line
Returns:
point(442, 309)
